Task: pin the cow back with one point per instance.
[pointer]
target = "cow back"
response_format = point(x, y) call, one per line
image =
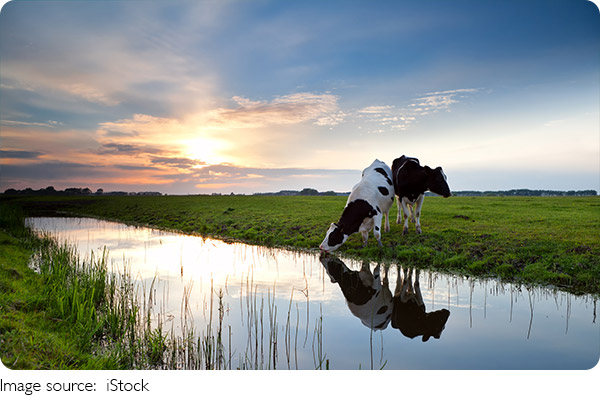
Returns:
point(410, 180)
point(376, 186)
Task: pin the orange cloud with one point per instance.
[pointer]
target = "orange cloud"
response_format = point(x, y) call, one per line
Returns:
point(321, 109)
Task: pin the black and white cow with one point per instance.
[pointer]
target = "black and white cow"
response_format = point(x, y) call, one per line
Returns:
point(411, 181)
point(367, 294)
point(409, 314)
point(369, 201)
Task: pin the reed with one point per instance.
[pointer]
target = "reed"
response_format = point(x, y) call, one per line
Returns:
point(75, 288)
point(121, 318)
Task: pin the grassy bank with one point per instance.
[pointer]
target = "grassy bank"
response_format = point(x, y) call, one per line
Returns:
point(550, 240)
point(60, 312)
point(36, 329)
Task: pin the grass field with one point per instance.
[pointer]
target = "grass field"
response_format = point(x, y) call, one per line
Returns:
point(541, 240)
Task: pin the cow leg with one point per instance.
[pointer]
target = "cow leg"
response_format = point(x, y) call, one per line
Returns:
point(377, 228)
point(387, 221)
point(417, 288)
point(399, 204)
point(405, 212)
point(417, 212)
point(407, 287)
point(365, 236)
point(377, 277)
point(365, 274)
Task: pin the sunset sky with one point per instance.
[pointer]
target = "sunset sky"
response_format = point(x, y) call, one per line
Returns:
point(254, 96)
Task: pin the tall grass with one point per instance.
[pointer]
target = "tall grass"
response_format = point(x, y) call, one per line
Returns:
point(76, 289)
point(116, 317)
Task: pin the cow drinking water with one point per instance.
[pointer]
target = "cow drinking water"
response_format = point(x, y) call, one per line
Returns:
point(369, 201)
point(411, 181)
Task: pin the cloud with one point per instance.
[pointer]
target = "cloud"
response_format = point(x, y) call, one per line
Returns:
point(131, 126)
point(48, 124)
point(51, 172)
point(390, 117)
point(177, 162)
point(321, 109)
point(128, 149)
point(91, 93)
point(387, 117)
point(439, 101)
point(20, 154)
point(143, 135)
point(128, 167)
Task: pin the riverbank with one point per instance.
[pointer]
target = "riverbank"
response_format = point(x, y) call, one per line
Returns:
point(58, 311)
point(535, 240)
point(33, 333)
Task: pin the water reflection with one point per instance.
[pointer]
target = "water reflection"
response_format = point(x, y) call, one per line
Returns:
point(261, 308)
point(410, 316)
point(366, 296)
point(369, 298)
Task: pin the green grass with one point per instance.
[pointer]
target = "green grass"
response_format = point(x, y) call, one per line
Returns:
point(58, 311)
point(540, 240)
point(45, 321)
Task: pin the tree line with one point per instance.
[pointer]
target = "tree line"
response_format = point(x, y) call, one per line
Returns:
point(50, 191)
point(526, 192)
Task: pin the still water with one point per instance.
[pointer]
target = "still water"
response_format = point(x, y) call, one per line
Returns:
point(291, 310)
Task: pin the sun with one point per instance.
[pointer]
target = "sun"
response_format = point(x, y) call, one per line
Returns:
point(205, 150)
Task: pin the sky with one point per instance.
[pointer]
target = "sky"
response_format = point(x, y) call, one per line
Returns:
point(186, 97)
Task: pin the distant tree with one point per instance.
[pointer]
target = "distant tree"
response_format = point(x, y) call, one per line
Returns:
point(100, 192)
point(309, 192)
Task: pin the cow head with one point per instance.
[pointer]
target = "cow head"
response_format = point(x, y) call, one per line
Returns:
point(434, 324)
point(436, 182)
point(334, 238)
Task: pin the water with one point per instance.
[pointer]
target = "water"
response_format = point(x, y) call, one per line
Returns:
point(284, 309)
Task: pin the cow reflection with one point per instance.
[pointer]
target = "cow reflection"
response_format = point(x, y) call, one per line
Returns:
point(367, 295)
point(369, 298)
point(409, 315)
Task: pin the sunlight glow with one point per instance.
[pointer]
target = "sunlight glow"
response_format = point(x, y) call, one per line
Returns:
point(205, 150)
